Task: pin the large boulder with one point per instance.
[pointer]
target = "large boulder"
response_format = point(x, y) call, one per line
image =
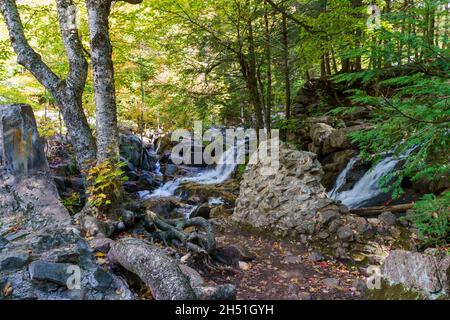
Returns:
point(427, 272)
point(340, 139)
point(130, 150)
point(21, 149)
point(290, 201)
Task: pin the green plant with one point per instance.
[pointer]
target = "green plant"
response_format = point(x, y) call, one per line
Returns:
point(431, 216)
point(105, 184)
point(73, 202)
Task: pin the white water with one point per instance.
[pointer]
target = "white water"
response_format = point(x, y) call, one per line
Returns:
point(219, 174)
point(368, 186)
point(342, 178)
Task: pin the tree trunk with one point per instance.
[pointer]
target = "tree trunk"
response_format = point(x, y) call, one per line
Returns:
point(103, 70)
point(67, 93)
point(269, 75)
point(252, 77)
point(287, 78)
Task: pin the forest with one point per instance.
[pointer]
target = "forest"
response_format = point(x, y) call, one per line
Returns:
point(135, 139)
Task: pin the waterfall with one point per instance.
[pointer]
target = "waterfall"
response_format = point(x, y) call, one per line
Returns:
point(342, 178)
point(368, 187)
point(220, 173)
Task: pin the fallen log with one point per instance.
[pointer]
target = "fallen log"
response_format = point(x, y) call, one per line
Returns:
point(158, 271)
point(375, 211)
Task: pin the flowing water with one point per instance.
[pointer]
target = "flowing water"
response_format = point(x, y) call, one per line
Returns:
point(220, 173)
point(368, 187)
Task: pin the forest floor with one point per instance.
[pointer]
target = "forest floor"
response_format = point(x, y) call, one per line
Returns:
point(283, 270)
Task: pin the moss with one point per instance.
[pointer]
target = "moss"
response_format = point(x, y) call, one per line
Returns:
point(393, 292)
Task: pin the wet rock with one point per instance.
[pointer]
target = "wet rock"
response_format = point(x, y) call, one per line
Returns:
point(388, 218)
point(14, 260)
point(131, 148)
point(203, 211)
point(57, 273)
point(425, 272)
point(162, 206)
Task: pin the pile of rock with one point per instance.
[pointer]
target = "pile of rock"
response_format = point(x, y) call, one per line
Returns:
point(293, 202)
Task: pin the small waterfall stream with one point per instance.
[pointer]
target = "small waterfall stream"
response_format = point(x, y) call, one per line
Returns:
point(368, 187)
point(220, 173)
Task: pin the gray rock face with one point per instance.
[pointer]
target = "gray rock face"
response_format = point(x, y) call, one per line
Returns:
point(58, 273)
point(32, 219)
point(20, 145)
point(425, 272)
point(290, 202)
point(14, 260)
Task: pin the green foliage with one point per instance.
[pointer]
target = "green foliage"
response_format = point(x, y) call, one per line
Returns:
point(431, 217)
point(105, 184)
point(73, 203)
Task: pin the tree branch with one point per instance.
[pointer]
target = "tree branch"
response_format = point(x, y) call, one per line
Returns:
point(77, 75)
point(26, 56)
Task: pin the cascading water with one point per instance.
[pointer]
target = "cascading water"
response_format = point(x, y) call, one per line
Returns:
point(368, 187)
point(219, 174)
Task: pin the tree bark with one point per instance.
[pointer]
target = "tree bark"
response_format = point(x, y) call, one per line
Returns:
point(269, 74)
point(159, 272)
point(375, 211)
point(253, 79)
point(287, 78)
point(67, 93)
point(104, 88)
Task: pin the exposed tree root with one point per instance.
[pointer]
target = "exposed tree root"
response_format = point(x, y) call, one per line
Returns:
point(200, 241)
point(158, 271)
point(166, 279)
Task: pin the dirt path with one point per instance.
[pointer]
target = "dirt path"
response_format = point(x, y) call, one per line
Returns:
point(284, 270)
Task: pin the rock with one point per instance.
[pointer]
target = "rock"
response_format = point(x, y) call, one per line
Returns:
point(244, 266)
point(345, 233)
point(288, 202)
point(316, 256)
point(130, 149)
point(3, 243)
point(162, 206)
point(14, 260)
point(305, 296)
point(232, 254)
point(290, 259)
point(388, 218)
point(67, 254)
point(101, 244)
point(103, 280)
point(424, 272)
point(340, 139)
point(203, 211)
point(57, 273)
point(21, 150)
point(319, 132)
point(331, 283)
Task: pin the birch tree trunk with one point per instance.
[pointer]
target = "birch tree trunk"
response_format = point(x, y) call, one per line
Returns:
point(104, 88)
